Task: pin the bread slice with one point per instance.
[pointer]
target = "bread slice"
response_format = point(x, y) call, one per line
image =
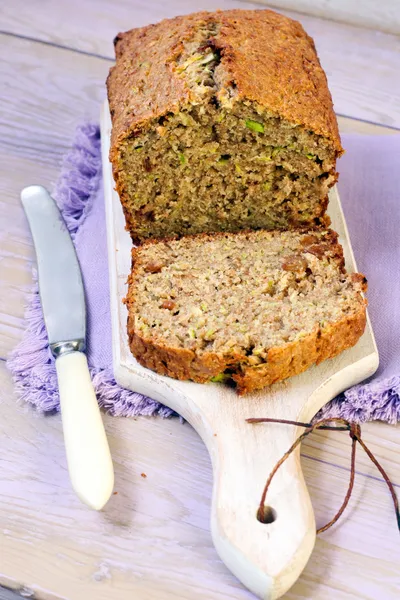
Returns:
point(221, 122)
point(257, 307)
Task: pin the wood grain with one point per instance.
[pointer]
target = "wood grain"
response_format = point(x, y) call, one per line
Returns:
point(383, 15)
point(152, 540)
point(347, 52)
point(153, 543)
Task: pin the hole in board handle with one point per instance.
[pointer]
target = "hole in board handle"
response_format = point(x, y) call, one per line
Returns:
point(266, 514)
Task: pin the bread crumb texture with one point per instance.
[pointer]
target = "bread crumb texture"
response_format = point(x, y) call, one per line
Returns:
point(221, 121)
point(255, 307)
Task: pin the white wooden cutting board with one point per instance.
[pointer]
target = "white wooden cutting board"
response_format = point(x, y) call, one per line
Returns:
point(267, 558)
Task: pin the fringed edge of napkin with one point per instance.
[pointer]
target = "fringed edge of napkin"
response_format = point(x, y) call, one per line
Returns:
point(378, 400)
point(32, 365)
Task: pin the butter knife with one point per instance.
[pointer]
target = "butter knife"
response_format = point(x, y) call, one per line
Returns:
point(63, 301)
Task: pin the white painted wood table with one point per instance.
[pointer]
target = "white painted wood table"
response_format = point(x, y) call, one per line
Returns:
point(152, 542)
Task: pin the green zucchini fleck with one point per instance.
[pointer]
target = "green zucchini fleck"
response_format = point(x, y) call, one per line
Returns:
point(255, 126)
point(220, 378)
point(276, 150)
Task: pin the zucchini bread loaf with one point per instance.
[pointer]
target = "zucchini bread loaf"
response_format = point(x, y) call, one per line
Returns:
point(255, 306)
point(220, 122)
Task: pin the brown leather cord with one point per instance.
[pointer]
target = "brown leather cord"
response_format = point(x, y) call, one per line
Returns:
point(327, 424)
point(349, 489)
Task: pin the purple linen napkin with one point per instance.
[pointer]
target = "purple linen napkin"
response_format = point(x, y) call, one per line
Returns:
point(369, 184)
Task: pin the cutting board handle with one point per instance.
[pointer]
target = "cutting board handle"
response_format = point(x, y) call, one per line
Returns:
point(266, 557)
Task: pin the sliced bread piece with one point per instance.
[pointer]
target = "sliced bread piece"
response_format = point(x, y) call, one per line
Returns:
point(255, 306)
point(220, 122)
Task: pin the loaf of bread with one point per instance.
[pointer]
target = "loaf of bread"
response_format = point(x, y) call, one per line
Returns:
point(256, 307)
point(220, 122)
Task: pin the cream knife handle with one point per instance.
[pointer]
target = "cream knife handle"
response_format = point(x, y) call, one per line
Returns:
point(88, 454)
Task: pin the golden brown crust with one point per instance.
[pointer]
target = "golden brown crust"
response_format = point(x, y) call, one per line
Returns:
point(267, 57)
point(272, 61)
point(282, 361)
point(294, 358)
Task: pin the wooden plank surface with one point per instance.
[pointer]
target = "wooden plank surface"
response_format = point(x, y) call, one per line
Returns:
point(383, 15)
point(153, 541)
point(347, 53)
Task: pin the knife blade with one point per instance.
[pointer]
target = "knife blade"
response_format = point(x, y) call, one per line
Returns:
point(60, 281)
point(63, 302)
